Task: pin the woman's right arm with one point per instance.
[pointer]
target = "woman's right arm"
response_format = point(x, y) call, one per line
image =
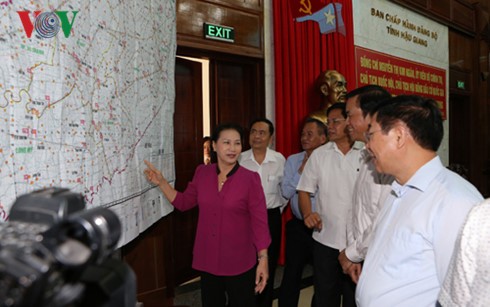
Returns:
point(156, 177)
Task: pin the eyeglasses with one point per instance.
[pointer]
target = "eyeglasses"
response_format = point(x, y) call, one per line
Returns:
point(335, 121)
point(369, 134)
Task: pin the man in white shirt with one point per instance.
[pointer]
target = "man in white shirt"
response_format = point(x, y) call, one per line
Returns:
point(371, 187)
point(417, 226)
point(467, 281)
point(332, 171)
point(270, 166)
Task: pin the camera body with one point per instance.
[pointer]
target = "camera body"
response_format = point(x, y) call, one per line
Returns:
point(54, 253)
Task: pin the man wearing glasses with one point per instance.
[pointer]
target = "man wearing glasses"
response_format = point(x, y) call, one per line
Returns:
point(331, 170)
point(417, 227)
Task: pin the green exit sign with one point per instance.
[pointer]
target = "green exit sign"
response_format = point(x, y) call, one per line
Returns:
point(461, 84)
point(222, 33)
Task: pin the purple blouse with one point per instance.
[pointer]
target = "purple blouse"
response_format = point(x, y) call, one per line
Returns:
point(232, 225)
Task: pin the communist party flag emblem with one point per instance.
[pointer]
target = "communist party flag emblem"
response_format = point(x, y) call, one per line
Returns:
point(328, 16)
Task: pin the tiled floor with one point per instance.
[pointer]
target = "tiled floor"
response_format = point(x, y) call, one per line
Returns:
point(304, 298)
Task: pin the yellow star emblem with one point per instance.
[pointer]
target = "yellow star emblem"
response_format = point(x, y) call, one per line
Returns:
point(330, 18)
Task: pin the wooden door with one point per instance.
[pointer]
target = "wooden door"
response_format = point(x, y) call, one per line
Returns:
point(459, 134)
point(236, 87)
point(188, 155)
point(237, 93)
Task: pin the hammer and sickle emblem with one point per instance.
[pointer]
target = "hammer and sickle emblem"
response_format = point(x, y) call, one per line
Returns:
point(306, 6)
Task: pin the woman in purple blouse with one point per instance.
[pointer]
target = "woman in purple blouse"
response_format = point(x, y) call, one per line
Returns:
point(232, 234)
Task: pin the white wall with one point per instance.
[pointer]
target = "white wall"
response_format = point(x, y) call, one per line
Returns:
point(374, 21)
point(270, 108)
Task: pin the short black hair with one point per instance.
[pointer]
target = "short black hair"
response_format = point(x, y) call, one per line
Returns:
point(369, 97)
point(322, 128)
point(263, 120)
point(421, 115)
point(227, 126)
point(338, 105)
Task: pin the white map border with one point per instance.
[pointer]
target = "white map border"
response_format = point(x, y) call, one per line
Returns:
point(83, 112)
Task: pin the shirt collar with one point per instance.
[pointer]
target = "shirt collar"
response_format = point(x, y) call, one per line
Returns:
point(246, 155)
point(358, 145)
point(365, 155)
point(233, 170)
point(355, 146)
point(269, 157)
point(422, 177)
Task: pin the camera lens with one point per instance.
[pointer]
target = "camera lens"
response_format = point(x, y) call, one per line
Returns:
point(98, 228)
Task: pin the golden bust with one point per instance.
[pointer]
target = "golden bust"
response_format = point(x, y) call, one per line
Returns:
point(332, 86)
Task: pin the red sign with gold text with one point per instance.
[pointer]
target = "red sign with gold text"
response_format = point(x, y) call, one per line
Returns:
point(400, 76)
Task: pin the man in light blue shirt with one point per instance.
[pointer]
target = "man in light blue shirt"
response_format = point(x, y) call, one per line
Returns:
point(417, 227)
point(299, 243)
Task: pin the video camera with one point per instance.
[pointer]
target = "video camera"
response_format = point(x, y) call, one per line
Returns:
point(55, 253)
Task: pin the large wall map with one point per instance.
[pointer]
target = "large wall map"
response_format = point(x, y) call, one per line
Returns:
point(86, 94)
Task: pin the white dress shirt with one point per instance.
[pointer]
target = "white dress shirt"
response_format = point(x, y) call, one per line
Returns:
point(333, 174)
point(468, 278)
point(271, 171)
point(370, 192)
point(414, 238)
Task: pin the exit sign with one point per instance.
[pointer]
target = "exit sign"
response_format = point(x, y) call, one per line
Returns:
point(222, 33)
point(461, 85)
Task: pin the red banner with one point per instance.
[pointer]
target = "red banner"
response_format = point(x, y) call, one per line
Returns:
point(306, 7)
point(400, 76)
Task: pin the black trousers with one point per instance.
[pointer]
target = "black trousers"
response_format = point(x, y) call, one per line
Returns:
point(275, 221)
point(299, 252)
point(331, 284)
point(240, 289)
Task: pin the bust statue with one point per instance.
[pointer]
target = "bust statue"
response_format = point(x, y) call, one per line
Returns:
point(332, 87)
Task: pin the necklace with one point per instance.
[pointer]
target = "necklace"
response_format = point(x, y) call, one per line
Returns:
point(222, 177)
point(221, 181)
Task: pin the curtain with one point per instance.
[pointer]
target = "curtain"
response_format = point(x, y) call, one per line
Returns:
point(301, 52)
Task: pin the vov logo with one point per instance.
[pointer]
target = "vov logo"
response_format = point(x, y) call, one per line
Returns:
point(47, 24)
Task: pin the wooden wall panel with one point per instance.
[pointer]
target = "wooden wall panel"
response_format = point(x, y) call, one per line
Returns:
point(246, 19)
point(483, 115)
point(461, 54)
point(464, 15)
point(442, 8)
point(460, 133)
point(422, 3)
point(256, 5)
point(456, 14)
point(146, 256)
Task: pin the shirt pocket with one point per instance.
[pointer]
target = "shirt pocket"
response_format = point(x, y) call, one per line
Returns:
point(410, 253)
point(271, 185)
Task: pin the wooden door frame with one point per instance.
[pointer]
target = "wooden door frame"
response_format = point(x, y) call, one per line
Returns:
point(216, 57)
